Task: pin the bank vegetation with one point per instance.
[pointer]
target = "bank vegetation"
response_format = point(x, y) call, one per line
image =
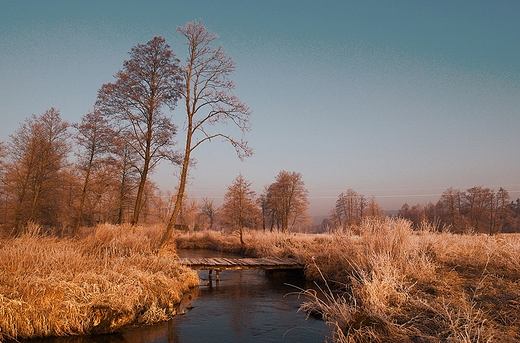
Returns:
point(382, 281)
point(387, 282)
point(108, 278)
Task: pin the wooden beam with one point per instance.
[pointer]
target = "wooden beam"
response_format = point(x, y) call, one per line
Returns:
point(264, 263)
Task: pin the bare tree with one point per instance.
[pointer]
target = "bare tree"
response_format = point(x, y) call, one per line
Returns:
point(450, 207)
point(127, 177)
point(92, 139)
point(148, 82)
point(188, 214)
point(152, 204)
point(349, 209)
point(209, 210)
point(240, 209)
point(38, 154)
point(478, 204)
point(3, 155)
point(209, 101)
point(501, 214)
point(262, 202)
point(418, 214)
point(287, 200)
point(373, 209)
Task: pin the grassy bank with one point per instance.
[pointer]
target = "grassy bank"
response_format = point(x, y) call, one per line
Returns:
point(107, 279)
point(391, 284)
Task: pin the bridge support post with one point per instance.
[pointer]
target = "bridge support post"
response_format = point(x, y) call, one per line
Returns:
point(210, 277)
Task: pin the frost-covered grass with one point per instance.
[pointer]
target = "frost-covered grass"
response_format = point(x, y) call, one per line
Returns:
point(388, 283)
point(108, 278)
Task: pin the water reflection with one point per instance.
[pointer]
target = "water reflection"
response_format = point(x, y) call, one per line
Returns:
point(247, 306)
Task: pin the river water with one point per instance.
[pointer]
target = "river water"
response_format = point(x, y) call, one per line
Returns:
point(245, 306)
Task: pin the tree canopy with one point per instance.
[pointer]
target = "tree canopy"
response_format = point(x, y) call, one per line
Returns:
point(134, 103)
point(286, 201)
point(240, 209)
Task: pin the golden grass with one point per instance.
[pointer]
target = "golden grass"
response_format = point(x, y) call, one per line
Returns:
point(389, 283)
point(107, 279)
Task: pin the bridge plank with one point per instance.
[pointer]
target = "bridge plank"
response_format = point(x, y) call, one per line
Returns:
point(266, 263)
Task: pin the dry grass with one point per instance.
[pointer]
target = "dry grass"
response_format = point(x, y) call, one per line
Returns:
point(107, 279)
point(391, 284)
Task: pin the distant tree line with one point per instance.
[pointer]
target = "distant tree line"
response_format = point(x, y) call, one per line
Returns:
point(282, 206)
point(478, 209)
point(349, 211)
point(40, 183)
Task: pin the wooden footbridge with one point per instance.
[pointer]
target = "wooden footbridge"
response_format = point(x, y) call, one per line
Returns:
point(219, 263)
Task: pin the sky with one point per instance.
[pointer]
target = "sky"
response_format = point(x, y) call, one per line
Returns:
point(399, 100)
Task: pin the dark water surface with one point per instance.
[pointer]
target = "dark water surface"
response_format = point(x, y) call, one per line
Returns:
point(246, 306)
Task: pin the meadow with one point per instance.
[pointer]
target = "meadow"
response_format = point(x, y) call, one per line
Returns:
point(380, 282)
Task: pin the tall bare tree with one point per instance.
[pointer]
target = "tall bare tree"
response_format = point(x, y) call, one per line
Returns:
point(134, 104)
point(239, 209)
point(38, 154)
point(209, 101)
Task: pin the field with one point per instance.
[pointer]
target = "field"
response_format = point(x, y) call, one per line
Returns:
point(387, 283)
point(382, 282)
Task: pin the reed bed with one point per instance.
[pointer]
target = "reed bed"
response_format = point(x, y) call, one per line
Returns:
point(109, 278)
point(385, 282)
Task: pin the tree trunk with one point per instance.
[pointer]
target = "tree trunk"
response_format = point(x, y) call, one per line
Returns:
point(182, 186)
point(83, 194)
point(178, 202)
point(142, 182)
point(81, 204)
point(139, 198)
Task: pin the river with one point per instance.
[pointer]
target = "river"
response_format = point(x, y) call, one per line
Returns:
point(245, 306)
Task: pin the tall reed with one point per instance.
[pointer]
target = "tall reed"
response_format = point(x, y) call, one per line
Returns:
point(406, 286)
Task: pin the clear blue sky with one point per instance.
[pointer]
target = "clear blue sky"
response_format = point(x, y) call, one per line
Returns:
point(395, 99)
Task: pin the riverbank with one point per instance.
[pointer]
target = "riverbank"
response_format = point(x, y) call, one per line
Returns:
point(107, 279)
point(387, 283)
point(382, 283)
